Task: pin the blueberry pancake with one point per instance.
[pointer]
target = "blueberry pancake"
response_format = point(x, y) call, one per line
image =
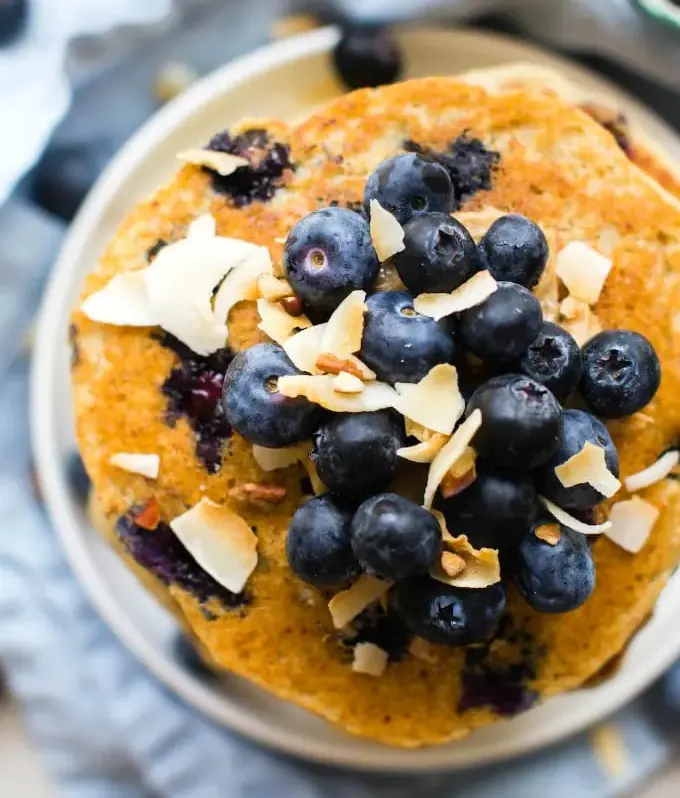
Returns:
point(384, 405)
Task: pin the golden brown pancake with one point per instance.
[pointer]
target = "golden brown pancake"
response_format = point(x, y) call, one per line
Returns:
point(555, 165)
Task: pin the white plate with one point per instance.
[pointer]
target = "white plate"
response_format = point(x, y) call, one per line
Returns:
point(284, 79)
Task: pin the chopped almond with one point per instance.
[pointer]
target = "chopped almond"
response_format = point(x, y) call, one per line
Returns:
point(452, 563)
point(257, 494)
point(150, 515)
point(348, 383)
point(452, 485)
point(482, 566)
point(292, 305)
point(331, 364)
point(278, 324)
point(548, 533)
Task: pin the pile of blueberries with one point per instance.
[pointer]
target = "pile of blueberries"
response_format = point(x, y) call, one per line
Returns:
point(515, 367)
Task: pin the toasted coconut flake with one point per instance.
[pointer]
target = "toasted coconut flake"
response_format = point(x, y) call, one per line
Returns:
point(221, 162)
point(304, 349)
point(424, 452)
point(582, 270)
point(653, 473)
point(588, 467)
point(220, 541)
point(456, 480)
point(548, 533)
point(435, 401)
point(573, 523)
point(466, 462)
point(481, 567)
point(347, 383)
point(202, 227)
point(273, 288)
point(149, 516)
point(415, 430)
point(317, 485)
point(273, 459)
point(124, 301)
point(473, 292)
point(240, 285)
point(321, 391)
point(369, 659)
point(450, 453)
point(452, 564)
point(343, 332)
point(148, 465)
point(347, 604)
point(277, 324)
point(579, 320)
point(386, 232)
point(631, 523)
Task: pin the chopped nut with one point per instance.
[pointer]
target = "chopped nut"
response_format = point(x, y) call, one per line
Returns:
point(481, 566)
point(274, 288)
point(150, 515)
point(452, 563)
point(333, 365)
point(292, 305)
point(451, 485)
point(450, 454)
point(548, 533)
point(348, 383)
point(257, 494)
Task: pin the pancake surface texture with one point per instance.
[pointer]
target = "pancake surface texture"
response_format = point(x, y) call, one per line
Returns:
point(556, 166)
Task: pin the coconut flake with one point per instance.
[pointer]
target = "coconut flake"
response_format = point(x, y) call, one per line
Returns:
point(343, 331)
point(653, 473)
point(304, 349)
point(582, 270)
point(425, 451)
point(415, 430)
point(588, 466)
point(202, 227)
point(321, 391)
point(347, 383)
point(318, 486)
point(631, 522)
point(148, 465)
point(273, 459)
point(573, 523)
point(347, 604)
point(276, 323)
point(481, 566)
point(387, 234)
point(450, 453)
point(473, 292)
point(435, 401)
point(240, 285)
point(579, 320)
point(273, 288)
point(123, 301)
point(221, 162)
point(220, 541)
point(369, 659)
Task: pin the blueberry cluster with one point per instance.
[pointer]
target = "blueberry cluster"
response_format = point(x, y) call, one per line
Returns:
point(516, 368)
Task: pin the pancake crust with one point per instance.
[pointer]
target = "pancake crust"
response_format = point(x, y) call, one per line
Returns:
point(558, 167)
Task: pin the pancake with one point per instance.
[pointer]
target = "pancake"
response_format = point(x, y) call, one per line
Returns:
point(136, 390)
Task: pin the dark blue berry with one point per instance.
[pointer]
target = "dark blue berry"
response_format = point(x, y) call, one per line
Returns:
point(318, 543)
point(367, 56)
point(399, 344)
point(448, 615)
point(553, 359)
point(495, 511)
point(578, 428)
point(356, 453)
point(393, 537)
point(521, 421)
point(13, 14)
point(503, 326)
point(621, 373)
point(254, 407)
point(514, 249)
point(439, 254)
point(329, 254)
point(409, 184)
point(555, 578)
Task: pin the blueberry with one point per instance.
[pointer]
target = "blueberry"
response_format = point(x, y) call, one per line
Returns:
point(621, 373)
point(367, 56)
point(356, 453)
point(329, 254)
point(318, 543)
point(578, 428)
point(555, 578)
point(448, 615)
point(13, 14)
point(553, 359)
point(410, 184)
point(253, 406)
point(439, 254)
point(521, 421)
point(392, 537)
point(503, 326)
point(495, 511)
point(514, 249)
point(399, 344)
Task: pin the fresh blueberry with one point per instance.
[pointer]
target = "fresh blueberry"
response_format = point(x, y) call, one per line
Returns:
point(555, 577)
point(514, 249)
point(409, 184)
point(521, 421)
point(399, 344)
point(254, 407)
point(621, 373)
point(503, 326)
point(392, 537)
point(318, 543)
point(13, 14)
point(356, 453)
point(329, 254)
point(553, 359)
point(495, 511)
point(367, 56)
point(578, 428)
point(448, 615)
point(439, 254)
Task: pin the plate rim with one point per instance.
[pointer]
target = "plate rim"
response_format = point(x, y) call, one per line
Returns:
point(64, 517)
